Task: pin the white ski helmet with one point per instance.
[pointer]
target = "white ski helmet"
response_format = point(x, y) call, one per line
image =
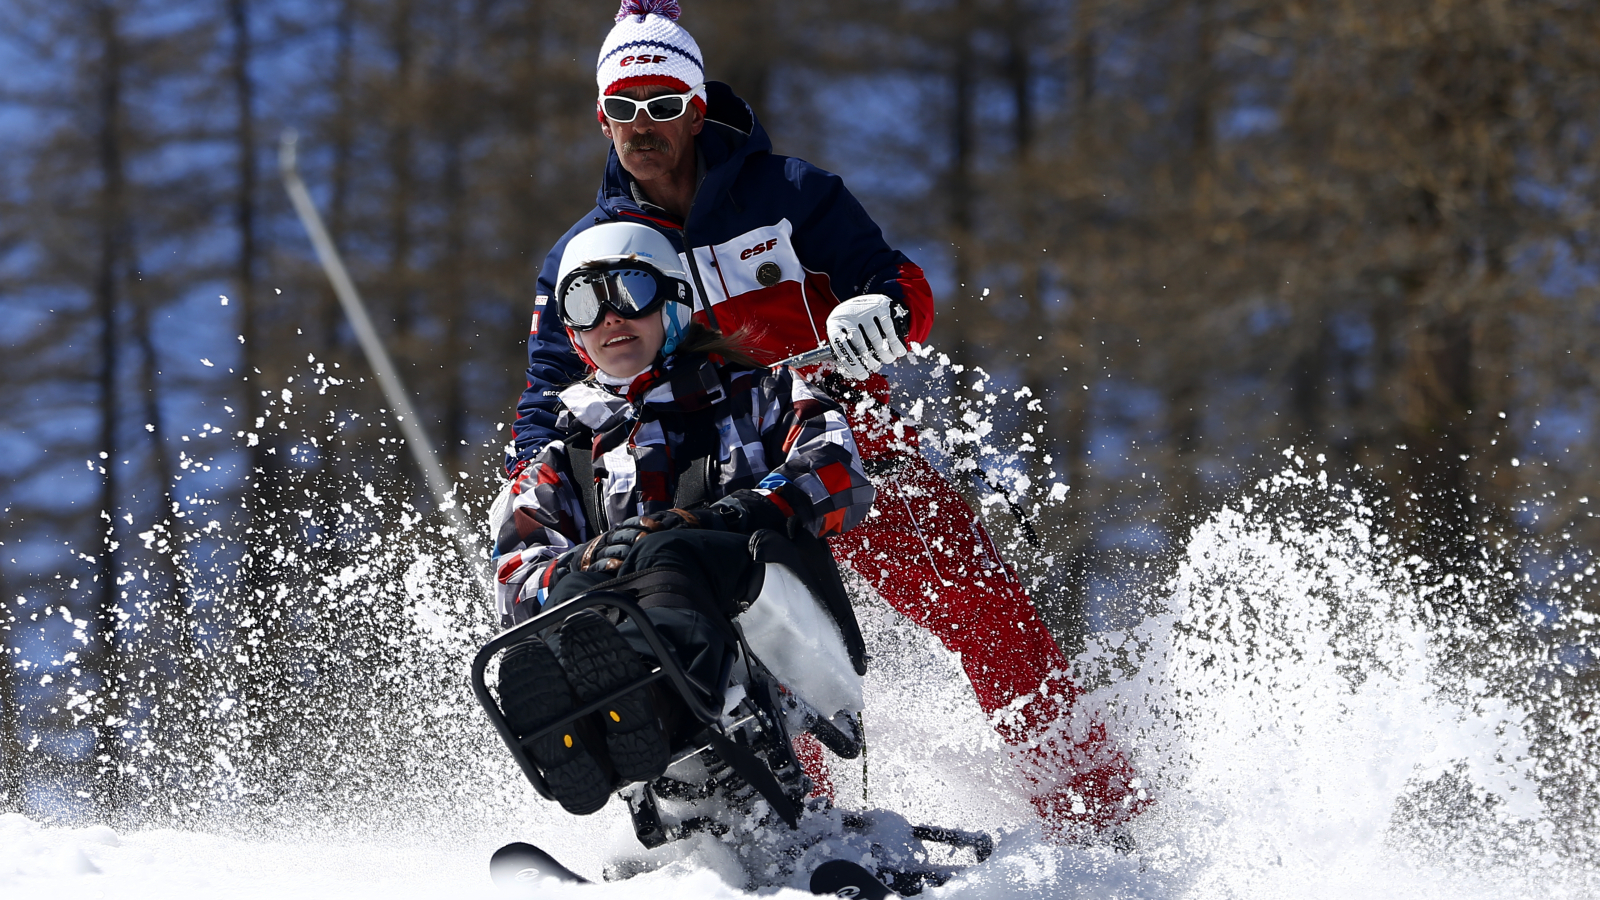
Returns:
point(614, 242)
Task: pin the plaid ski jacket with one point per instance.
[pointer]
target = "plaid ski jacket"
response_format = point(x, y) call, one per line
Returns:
point(762, 429)
point(776, 244)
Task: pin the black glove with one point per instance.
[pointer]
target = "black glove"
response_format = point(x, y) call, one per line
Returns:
point(672, 518)
point(747, 512)
point(559, 568)
point(606, 552)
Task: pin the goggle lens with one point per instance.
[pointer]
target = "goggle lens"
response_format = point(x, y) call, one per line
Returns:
point(631, 293)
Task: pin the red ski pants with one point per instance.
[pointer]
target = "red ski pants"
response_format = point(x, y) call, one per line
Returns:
point(928, 555)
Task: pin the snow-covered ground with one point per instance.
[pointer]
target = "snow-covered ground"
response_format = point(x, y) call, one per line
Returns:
point(45, 863)
point(1288, 699)
point(61, 863)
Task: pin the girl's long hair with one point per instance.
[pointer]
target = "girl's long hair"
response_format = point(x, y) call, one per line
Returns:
point(734, 347)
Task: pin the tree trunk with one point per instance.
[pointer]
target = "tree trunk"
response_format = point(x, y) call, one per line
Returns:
point(246, 178)
point(253, 624)
point(244, 221)
point(1072, 434)
point(343, 150)
point(1084, 62)
point(1439, 382)
point(453, 296)
point(113, 227)
point(403, 187)
point(1309, 381)
point(961, 312)
point(1186, 392)
point(1072, 422)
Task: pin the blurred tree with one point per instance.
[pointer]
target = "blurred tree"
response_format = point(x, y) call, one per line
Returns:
point(98, 71)
point(1284, 224)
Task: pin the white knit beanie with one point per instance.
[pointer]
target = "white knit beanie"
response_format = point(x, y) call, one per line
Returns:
point(648, 47)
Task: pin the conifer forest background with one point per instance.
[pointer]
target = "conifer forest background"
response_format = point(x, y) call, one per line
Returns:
point(1174, 245)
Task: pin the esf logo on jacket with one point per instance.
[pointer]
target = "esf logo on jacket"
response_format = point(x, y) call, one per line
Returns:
point(759, 249)
point(756, 281)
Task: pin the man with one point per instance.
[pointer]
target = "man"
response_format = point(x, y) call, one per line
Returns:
point(771, 244)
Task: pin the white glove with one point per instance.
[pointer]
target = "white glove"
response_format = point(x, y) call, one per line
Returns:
point(863, 335)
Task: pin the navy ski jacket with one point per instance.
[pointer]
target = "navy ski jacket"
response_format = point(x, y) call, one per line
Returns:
point(777, 243)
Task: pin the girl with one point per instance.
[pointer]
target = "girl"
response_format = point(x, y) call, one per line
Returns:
point(691, 448)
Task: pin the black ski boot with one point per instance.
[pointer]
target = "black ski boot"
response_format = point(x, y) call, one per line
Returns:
point(534, 692)
point(598, 660)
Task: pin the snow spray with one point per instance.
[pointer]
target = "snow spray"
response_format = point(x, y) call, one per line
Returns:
point(1314, 711)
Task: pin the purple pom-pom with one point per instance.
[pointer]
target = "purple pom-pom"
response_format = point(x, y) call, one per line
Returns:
point(641, 8)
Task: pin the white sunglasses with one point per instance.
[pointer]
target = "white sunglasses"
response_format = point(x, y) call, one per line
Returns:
point(664, 108)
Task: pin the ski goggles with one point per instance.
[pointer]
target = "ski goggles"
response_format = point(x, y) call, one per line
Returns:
point(626, 288)
point(664, 108)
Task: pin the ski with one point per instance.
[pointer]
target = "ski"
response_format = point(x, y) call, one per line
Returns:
point(517, 865)
point(841, 878)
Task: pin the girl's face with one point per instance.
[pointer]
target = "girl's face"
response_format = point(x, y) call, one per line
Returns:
point(622, 347)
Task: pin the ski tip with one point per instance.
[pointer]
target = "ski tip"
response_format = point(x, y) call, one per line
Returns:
point(841, 878)
point(517, 866)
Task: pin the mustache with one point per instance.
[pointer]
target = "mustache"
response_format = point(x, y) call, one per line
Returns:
point(645, 142)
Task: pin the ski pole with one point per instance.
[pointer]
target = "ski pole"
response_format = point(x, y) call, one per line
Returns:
point(1015, 507)
point(372, 345)
point(807, 357)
